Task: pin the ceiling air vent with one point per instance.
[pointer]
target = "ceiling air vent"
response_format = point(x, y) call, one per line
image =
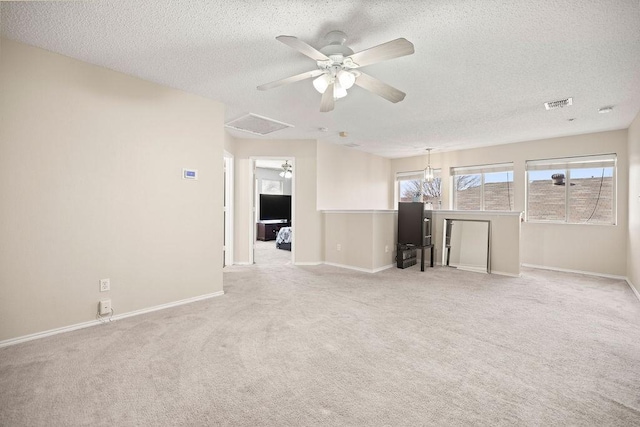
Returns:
point(257, 125)
point(352, 145)
point(552, 105)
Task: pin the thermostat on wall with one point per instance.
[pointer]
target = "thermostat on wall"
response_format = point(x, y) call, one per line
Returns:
point(189, 173)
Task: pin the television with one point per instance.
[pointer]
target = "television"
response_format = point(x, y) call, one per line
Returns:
point(275, 207)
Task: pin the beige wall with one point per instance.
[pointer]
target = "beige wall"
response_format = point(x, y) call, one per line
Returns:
point(505, 239)
point(385, 236)
point(352, 179)
point(307, 239)
point(229, 143)
point(590, 248)
point(633, 245)
point(91, 188)
point(362, 240)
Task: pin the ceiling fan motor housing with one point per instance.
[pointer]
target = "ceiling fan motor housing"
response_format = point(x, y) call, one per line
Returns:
point(335, 45)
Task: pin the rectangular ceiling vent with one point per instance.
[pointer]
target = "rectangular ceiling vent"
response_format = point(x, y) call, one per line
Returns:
point(257, 125)
point(552, 105)
point(352, 145)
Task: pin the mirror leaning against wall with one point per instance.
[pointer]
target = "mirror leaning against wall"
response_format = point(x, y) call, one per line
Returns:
point(466, 245)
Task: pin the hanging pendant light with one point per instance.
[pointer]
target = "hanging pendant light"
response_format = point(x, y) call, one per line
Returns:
point(428, 171)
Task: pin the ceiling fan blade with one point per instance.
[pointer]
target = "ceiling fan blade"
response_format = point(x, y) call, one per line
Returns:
point(292, 79)
point(393, 49)
point(303, 48)
point(327, 103)
point(380, 88)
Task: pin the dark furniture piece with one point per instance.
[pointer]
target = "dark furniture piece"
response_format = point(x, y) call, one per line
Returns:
point(269, 230)
point(406, 255)
point(284, 246)
point(415, 228)
point(283, 241)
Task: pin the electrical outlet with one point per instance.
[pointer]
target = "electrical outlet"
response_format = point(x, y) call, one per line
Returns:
point(339, 247)
point(386, 248)
point(105, 285)
point(104, 307)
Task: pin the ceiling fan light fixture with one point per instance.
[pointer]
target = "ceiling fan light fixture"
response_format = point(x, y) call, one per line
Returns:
point(338, 90)
point(346, 79)
point(286, 170)
point(336, 68)
point(322, 82)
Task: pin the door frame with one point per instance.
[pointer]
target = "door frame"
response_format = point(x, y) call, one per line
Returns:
point(228, 208)
point(254, 196)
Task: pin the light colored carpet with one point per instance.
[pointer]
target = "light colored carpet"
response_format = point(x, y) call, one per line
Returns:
point(326, 346)
point(267, 254)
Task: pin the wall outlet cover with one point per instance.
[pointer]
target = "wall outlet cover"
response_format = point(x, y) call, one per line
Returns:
point(104, 307)
point(105, 285)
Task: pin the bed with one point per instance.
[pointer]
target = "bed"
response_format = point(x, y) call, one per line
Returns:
point(283, 240)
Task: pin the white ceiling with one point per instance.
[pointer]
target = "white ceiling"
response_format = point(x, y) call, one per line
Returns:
point(479, 76)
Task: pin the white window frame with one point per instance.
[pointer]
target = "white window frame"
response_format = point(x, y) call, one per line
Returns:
point(568, 163)
point(271, 186)
point(417, 176)
point(477, 170)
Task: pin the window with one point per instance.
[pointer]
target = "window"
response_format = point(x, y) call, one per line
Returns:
point(483, 188)
point(575, 190)
point(271, 187)
point(413, 188)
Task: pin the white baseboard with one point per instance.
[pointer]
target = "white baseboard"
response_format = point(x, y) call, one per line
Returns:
point(589, 273)
point(242, 263)
point(83, 325)
point(504, 273)
point(386, 267)
point(482, 270)
point(633, 288)
point(308, 263)
point(566, 270)
point(363, 270)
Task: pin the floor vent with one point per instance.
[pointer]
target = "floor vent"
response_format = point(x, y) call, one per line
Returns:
point(552, 105)
point(257, 125)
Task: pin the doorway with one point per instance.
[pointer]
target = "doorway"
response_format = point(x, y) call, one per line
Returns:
point(227, 209)
point(272, 211)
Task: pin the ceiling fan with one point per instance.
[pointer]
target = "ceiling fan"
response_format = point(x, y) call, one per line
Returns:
point(338, 67)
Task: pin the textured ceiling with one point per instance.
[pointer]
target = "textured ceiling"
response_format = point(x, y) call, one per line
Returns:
point(479, 76)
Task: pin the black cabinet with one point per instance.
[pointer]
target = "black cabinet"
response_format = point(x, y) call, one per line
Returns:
point(269, 230)
point(415, 229)
point(414, 224)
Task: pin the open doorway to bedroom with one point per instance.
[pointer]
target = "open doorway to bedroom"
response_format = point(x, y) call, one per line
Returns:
point(272, 211)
